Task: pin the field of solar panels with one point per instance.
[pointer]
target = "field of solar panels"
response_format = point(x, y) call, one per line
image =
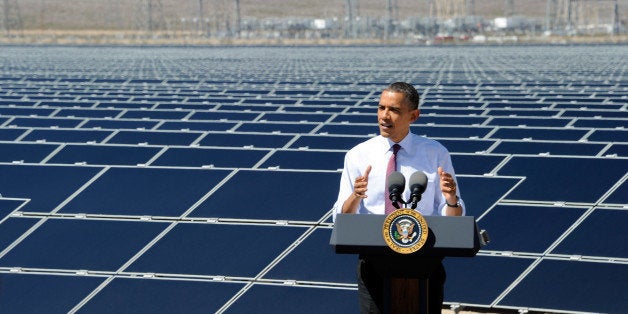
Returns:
point(200, 180)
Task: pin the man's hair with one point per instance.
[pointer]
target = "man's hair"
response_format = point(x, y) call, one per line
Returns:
point(410, 93)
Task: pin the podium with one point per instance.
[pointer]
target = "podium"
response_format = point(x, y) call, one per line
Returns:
point(406, 275)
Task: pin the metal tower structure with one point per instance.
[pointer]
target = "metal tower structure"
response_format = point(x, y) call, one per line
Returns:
point(447, 9)
point(11, 17)
point(509, 8)
point(149, 15)
point(572, 14)
point(237, 19)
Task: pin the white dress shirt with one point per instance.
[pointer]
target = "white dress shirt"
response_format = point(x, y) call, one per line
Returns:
point(416, 153)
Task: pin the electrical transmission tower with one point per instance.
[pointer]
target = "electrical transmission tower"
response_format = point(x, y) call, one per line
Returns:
point(149, 15)
point(447, 9)
point(238, 21)
point(11, 17)
point(572, 14)
point(509, 8)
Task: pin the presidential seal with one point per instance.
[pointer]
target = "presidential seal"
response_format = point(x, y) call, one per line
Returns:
point(405, 231)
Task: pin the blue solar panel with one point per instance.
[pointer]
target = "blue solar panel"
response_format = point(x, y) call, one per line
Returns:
point(196, 126)
point(533, 122)
point(303, 263)
point(327, 142)
point(46, 122)
point(153, 114)
point(227, 116)
point(295, 117)
point(480, 280)
point(70, 136)
point(269, 127)
point(289, 200)
point(619, 196)
point(481, 193)
point(601, 174)
point(295, 300)
point(216, 250)
point(601, 123)
point(155, 138)
point(552, 148)
point(507, 222)
point(466, 145)
point(188, 157)
point(81, 244)
point(475, 164)
point(592, 236)
point(178, 174)
point(88, 113)
point(104, 155)
point(245, 140)
point(145, 191)
point(572, 286)
point(132, 295)
point(295, 160)
point(45, 186)
point(35, 112)
point(12, 229)
point(119, 124)
point(44, 293)
point(30, 153)
point(539, 134)
point(609, 136)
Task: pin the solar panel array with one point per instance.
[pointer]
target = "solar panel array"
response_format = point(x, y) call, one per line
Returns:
point(172, 179)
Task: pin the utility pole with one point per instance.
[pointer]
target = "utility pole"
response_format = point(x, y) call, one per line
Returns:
point(237, 18)
point(615, 18)
point(200, 25)
point(149, 15)
point(388, 24)
point(471, 8)
point(349, 18)
point(11, 16)
point(509, 8)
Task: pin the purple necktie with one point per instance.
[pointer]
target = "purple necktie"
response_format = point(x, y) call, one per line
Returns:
point(392, 166)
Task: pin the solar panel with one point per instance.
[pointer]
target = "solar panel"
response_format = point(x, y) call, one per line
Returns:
point(173, 179)
point(298, 299)
point(290, 199)
point(133, 295)
point(591, 236)
point(548, 148)
point(103, 155)
point(37, 293)
point(30, 153)
point(144, 191)
point(566, 173)
point(187, 249)
point(154, 138)
point(70, 136)
point(81, 244)
point(45, 186)
point(191, 157)
point(572, 287)
point(45, 122)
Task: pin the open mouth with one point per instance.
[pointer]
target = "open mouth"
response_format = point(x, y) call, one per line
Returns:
point(385, 126)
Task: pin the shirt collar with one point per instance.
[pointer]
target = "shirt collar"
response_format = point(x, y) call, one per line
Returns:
point(406, 143)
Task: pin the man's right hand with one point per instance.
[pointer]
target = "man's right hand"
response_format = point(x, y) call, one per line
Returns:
point(360, 186)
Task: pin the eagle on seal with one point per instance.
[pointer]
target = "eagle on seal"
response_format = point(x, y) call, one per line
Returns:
point(405, 231)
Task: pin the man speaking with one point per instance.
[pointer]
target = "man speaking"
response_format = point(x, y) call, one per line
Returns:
point(364, 190)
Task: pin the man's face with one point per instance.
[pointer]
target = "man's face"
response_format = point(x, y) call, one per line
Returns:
point(395, 116)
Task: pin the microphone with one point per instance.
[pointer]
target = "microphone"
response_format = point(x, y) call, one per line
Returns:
point(396, 185)
point(418, 182)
